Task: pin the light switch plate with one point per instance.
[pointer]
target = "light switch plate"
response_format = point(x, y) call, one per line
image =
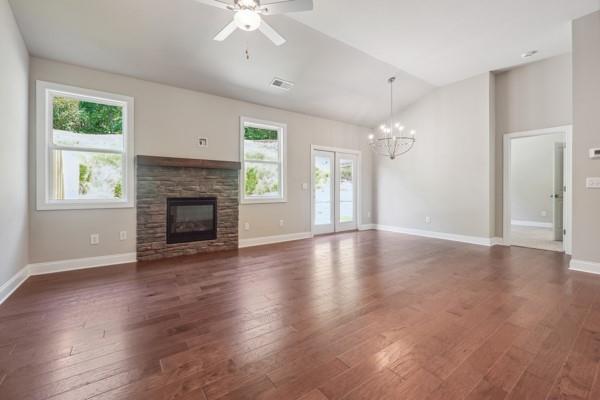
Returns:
point(592, 183)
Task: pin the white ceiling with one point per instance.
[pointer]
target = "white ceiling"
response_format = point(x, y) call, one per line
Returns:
point(339, 55)
point(443, 41)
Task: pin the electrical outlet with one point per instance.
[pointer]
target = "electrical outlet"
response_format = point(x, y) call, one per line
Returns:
point(123, 235)
point(202, 142)
point(544, 213)
point(369, 214)
point(246, 226)
point(305, 186)
point(280, 222)
point(592, 183)
point(95, 239)
point(428, 219)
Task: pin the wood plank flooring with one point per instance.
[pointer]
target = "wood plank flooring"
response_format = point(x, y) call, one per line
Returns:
point(361, 315)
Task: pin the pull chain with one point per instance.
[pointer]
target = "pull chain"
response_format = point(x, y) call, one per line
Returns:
point(247, 51)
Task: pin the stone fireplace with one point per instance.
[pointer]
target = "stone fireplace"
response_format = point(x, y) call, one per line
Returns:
point(185, 206)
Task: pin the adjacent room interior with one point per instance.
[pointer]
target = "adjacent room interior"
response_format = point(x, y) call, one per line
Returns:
point(538, 190)
point(300, 199)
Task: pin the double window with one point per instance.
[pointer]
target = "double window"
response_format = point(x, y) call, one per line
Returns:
point(263, 146)
point(84, 148)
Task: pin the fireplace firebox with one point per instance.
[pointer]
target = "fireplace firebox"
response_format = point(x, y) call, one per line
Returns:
point(191, 219)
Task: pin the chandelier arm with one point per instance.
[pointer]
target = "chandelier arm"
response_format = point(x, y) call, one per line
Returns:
point(376, 150)
point(395, 145)
point(387, 144)
point(383, 149)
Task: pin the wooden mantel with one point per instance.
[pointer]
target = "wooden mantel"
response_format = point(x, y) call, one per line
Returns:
point(186, 162)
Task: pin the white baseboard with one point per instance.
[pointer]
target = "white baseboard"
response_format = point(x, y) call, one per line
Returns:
point(482, 241)
point(532, 224)
point(499, 241)
point(367, 227)
point(13, 284)
point(80, 263)
point(585, 266)
point(259, 241)
point(61, 266)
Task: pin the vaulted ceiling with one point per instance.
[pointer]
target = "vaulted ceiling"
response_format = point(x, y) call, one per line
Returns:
point(339, 55)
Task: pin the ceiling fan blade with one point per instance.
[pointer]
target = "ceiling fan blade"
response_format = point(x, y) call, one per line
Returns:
point(225, 32)
point(271, 33)
point(285, 6)
point(224, 4)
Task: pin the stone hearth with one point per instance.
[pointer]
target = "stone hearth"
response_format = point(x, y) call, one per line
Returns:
point(162, 178)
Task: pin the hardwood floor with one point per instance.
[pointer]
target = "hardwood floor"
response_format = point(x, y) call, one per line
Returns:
point(369, 315)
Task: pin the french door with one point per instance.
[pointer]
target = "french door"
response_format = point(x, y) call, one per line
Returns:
point(334, 189)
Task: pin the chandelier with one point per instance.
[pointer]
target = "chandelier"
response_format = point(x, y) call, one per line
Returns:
point(392, 141)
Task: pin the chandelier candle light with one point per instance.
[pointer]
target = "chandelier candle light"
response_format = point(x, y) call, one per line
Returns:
point(391, 141)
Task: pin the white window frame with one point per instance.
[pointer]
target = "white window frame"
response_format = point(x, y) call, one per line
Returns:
point(45, 91)
point(282, 135)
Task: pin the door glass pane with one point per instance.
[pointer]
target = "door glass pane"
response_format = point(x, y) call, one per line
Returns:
point(323, 193)
point(346, 191)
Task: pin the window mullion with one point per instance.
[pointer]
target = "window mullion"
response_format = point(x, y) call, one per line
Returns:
point(262, 162)
point(84, 149)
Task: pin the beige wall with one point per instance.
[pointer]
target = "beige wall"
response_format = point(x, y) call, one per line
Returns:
point(14, 64)
point(168, 121)
point(533, 96)
point(532, 177)
point(586, 134)
point(447, 174)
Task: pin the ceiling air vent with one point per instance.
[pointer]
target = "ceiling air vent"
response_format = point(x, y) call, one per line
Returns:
point(282, 84)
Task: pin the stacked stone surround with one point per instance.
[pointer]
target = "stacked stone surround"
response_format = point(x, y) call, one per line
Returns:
point(156, 183)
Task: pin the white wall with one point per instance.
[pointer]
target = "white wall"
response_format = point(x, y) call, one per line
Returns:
point(168, 121)
point(14, 64)
point(447, 175)
point(528, 97)
point(532, 177)
point(586, 134)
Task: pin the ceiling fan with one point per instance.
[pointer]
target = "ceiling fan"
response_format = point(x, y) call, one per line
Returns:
point(248, 15)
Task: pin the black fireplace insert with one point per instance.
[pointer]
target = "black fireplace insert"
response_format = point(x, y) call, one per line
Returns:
point(191, 219)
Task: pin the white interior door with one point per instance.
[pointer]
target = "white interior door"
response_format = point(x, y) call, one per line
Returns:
point(334, 191)
point(345, 192)
point(323, 172)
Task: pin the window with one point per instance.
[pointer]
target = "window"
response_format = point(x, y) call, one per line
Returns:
point(263, 161)
point(84, 148)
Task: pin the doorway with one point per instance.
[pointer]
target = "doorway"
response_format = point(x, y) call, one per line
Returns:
point(334, 177)
point(537, 189)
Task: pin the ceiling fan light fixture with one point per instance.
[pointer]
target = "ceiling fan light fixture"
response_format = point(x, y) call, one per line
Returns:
point(247, 20)
point(247, 3)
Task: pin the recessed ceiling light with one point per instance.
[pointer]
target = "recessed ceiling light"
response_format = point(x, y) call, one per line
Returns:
point(529, 53)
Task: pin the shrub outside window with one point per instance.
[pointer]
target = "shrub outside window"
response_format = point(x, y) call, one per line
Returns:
point(263, 146)
point(84, 148)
